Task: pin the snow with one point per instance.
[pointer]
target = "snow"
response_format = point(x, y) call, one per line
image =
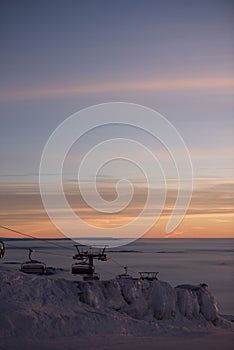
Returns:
point(41, 307)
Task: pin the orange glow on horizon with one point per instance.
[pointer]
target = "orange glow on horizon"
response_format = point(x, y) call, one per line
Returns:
point(192, 226)
point(210, 214)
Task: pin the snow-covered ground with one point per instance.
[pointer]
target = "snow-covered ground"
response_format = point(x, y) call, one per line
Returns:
point(42, 312)
point(178, 261)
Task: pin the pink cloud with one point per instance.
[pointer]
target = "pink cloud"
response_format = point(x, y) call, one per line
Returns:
point(142, 85)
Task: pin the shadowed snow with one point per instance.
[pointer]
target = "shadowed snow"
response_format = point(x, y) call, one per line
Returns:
point(39, 306)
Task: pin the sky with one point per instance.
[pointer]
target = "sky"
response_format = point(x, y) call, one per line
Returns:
point(58, 57)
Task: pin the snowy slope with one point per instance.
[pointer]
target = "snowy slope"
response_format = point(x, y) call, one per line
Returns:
point(40, 306)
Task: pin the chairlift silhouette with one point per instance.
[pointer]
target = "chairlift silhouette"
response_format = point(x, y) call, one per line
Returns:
point(124, 275)
point(86, 258)
point(148, 275)
point(33, 266)
point(2, 249)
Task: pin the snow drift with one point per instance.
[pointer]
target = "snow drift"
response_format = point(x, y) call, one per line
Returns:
point(36, 306)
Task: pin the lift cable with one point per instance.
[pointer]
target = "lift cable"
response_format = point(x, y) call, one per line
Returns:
point(30, 236)
point(123, 266)
point(36, 251)
point(54, 244)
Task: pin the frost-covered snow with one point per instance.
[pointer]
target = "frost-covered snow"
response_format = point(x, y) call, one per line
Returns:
point(41, 306)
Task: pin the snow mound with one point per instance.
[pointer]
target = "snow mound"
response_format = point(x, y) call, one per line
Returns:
point(37, 306)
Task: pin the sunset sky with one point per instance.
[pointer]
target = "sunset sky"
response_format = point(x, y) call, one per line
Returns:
point(176, 57)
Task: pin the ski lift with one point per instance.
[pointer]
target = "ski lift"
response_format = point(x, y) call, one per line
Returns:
point(86, 265)
point(33, 266)
point(2, 249)
point(150, 276)
point(82, 268)
point(124, 275)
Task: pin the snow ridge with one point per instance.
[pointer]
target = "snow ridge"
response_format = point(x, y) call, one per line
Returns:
point(36, 306)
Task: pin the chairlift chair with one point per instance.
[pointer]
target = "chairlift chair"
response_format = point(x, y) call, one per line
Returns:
point(85, 266)
point(33, 266)
point(2, 249)
point(82, 268)
point(124, 275)
point(148, 275)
